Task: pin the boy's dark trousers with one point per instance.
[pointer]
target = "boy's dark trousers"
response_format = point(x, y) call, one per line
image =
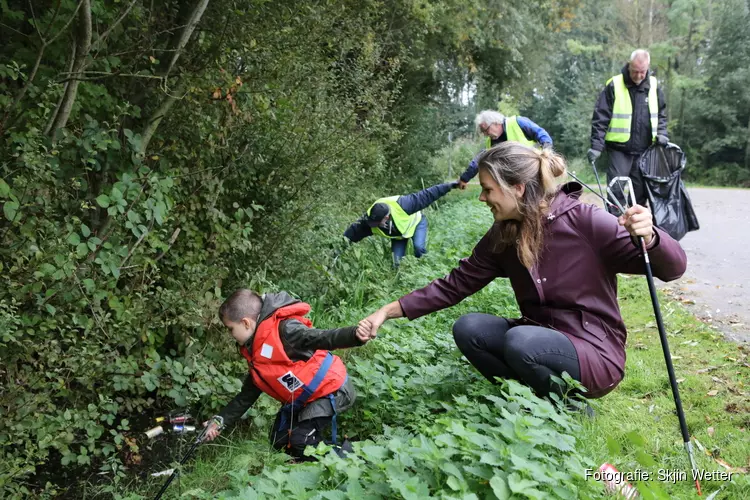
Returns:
point(305, 433)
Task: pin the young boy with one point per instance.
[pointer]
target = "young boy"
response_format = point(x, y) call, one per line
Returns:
point(288, 359)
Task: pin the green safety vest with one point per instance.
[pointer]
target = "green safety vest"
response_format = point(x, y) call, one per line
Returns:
point(405, 223)
point(622, 111)
point(514, 133)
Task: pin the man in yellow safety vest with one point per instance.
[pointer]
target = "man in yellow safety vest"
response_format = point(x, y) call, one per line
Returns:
point(630, 115)
point(498, 128)
point(400, 219)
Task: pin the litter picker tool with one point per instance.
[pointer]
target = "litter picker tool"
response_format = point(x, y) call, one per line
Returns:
point(189, 453)
point(618, 181)
point(596, 174)
point(605, 200)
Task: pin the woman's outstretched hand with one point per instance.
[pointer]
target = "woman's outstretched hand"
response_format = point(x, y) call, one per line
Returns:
point(639, 222)
point(376, 319)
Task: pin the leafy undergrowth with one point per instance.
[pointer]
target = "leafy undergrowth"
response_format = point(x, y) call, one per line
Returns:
point(426, 425)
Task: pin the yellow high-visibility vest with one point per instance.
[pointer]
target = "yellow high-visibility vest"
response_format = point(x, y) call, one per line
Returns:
point(622, 111)
point(405, 223)
point(514, 132)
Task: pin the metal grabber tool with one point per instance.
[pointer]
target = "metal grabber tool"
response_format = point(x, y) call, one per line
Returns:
point(619, 181)
point(218, 420)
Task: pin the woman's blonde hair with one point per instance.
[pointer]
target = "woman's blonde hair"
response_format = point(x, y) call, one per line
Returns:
point(511, 164)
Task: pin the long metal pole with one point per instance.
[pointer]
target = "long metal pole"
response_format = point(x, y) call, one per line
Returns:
point(668, 361)
point(662, 335)
point(185, 458)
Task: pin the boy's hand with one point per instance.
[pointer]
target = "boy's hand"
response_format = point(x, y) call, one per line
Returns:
point(363, 331)
point(213, 430)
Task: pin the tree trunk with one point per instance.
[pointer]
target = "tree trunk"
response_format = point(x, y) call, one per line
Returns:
point(747, 146)
point(155, 120)
point(195, 17)
point(689, 72)
point(650, 21)
point(53, 116)
point(82, 51)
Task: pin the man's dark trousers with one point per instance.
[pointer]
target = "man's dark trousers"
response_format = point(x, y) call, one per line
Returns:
point(625, 165)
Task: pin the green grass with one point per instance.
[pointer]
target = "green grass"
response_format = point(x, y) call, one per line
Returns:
point(422, 409)
point(643, 402)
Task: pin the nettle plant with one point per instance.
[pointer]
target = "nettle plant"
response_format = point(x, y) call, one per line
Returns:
point(489, 443)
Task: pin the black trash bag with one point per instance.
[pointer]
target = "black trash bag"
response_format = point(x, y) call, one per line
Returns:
point(661, 167)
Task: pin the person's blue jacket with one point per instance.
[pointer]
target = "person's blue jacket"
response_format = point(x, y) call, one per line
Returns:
point(531, 130)
point(411, 203)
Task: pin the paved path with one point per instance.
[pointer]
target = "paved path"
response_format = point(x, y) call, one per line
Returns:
point(716, 285)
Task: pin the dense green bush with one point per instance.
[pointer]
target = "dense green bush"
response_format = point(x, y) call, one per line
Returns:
point(154, 155)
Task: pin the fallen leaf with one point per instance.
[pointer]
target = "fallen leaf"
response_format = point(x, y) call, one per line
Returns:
point(699, 445)
point(680, 380)
point(712, 393)
point(708, 369)
point(676, 357)
point(717, 380)
point(710, 431)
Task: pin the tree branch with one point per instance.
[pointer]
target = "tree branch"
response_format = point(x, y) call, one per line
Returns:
point(84, 46)
point(32, 75)
point(106, 33)
point(195, 17)
point(171, 242)
point(36, 25)
point(53, 116)
point(155, 120)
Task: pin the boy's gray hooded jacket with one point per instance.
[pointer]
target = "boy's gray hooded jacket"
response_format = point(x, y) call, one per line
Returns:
point(300, 342)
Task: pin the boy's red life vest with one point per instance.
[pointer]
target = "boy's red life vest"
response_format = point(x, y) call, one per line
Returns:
point(280, 377)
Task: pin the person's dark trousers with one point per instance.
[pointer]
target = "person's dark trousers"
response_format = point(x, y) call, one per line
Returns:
point(305, 433)
point(528, 354)
point(419, 240)
point(625, 165)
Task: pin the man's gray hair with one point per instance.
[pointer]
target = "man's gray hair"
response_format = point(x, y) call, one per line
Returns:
point(488, 117)
point(640, 54)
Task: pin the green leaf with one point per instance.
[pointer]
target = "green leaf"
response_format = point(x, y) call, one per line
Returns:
point(491, 458)
point(10, 209)
point(453, 483)
point(85, 231)
point(644, 458)
point(636, 439)
point(159, 210)
point(74, 239)
point(613, 446)
point(89, 284)
point(499, 488)
point(4, 188)
point(50, 309)
point(375, 453)
point(82, 250)
point(103, 200)
point(518, 484)
point(47, 269)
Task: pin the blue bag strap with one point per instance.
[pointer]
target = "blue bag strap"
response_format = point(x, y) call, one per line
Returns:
point(307, 391)
point(334, 427)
